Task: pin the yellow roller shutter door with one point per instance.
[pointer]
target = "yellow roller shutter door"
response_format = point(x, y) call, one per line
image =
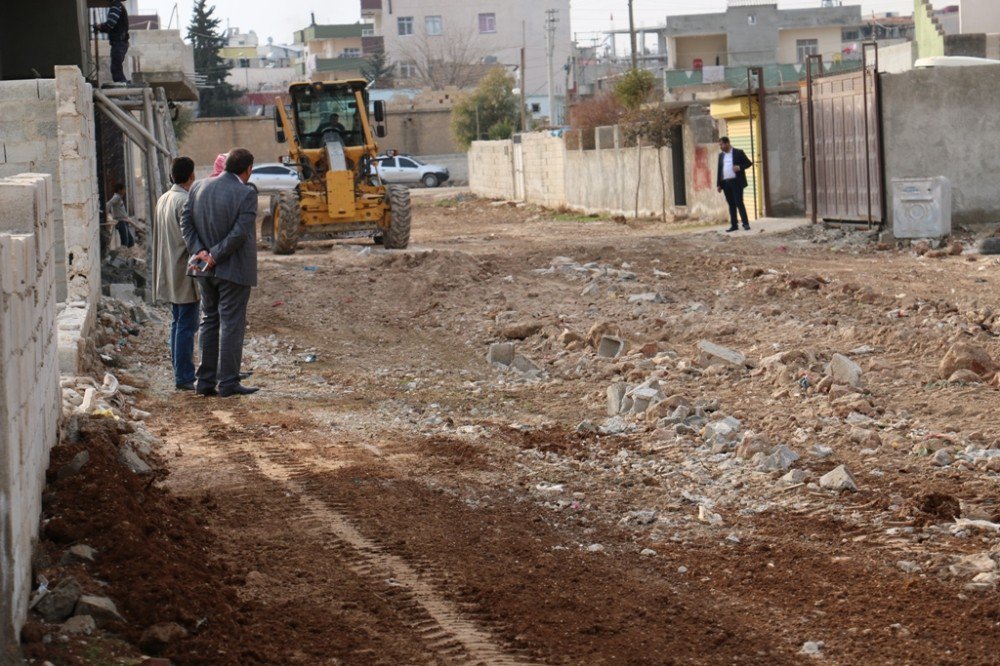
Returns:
point(740, 136)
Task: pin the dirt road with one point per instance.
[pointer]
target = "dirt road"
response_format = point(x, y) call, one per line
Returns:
point(389, 497)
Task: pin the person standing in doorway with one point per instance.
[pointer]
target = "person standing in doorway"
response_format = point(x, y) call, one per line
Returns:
point(732, 180)
point(118, 212)
point(116, 26)
point(171, 282)
point(219, 227)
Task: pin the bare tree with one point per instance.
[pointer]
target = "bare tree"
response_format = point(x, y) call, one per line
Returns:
point(441, 61)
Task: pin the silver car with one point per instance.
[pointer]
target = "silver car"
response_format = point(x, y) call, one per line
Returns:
point(273, 176)
point(408, 170)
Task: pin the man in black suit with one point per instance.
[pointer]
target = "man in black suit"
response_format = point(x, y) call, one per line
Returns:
point(732, 180)
point(219, 226)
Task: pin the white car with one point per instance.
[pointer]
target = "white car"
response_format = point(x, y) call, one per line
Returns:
point(404, 169)
point(273, 176)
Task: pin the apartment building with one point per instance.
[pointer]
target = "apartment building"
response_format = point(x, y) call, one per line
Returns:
point(437, 43)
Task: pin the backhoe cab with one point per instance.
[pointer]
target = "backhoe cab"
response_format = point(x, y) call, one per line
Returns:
point(331, 140)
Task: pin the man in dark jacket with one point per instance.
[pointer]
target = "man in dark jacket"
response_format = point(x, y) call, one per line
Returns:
point(732, 180)
point(117, 28)
point(219, 226)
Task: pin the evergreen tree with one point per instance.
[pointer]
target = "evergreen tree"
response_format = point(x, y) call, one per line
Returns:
point(490, 111)
point(377, 68)
point(217, 98)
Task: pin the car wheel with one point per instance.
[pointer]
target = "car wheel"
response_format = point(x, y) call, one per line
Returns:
point(430, 180)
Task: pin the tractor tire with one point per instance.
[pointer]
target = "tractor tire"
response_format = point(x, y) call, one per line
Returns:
point(287, 221)
point(397, 237)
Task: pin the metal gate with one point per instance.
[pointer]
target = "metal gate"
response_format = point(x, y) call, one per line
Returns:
point(842, 143)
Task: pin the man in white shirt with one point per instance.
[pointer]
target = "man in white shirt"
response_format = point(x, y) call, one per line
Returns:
point(732, 180)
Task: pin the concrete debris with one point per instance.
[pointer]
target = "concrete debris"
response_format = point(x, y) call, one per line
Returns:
point(586, 427)
point(971, 565)
point(812, 648)
point(646, 297)
point(709, 517)
point(83, 552)
point(780, 459)
point(525, 366)
point(941, 458)
point(131, 459)
point(839, 478)
point(79, 625)
point(647, 552)
point(844, 371)
point(58, 603)
point(159, 636)
point(500, 353)
point(794, 477)
point(74, 466)
point(908, 566)
point(101, 609)
point(711, 354)
point(614, 426)
point(595, 548)
point(610, 347)
point(967, 356)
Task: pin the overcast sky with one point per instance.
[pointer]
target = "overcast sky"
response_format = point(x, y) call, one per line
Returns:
point(280, 18)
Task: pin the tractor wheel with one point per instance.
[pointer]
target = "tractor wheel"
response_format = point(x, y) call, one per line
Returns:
point(398, 235)
point(287, 220)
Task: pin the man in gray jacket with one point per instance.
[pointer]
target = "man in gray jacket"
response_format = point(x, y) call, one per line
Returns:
point(219, 226)
point(171, 283)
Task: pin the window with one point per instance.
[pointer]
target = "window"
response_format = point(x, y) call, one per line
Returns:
point(388, 162)
point(407, 69)
point(432, 24)
point(405, 24)
point(805, 48)
point(536, 107)
point(406, 164)
point(367, 30)
point(850, 35)
point(752, 19)
point(244, 62)
point(487, 23)
point(351, 53)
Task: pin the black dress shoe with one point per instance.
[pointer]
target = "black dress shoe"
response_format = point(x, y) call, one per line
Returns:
point(732, 229)
point(186, 386)
point(746, 227)
point(236, 389)
point(209, 390)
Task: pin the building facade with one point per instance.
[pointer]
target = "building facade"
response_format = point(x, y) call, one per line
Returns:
point(333, 51)
point(441, 43)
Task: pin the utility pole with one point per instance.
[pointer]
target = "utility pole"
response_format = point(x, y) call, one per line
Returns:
point(524, 107)
point(550, 47)
point(631, 35)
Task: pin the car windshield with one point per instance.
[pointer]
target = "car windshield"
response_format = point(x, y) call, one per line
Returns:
point(327, 109)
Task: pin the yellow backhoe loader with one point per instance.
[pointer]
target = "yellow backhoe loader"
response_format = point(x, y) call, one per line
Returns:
point(331, 140)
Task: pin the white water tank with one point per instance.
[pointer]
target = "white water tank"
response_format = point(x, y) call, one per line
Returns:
point(921, 207)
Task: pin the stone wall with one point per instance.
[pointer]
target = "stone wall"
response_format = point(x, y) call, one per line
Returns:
point(29, 381)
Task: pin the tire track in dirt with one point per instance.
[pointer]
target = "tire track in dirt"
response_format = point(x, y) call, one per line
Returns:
point(441, 624)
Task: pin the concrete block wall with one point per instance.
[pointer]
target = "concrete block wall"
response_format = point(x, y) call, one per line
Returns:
point(29, 142)
point(491, 169)
point(940, 121)
point(606, 181)
point(30, 397)
point(161, 51)
point(544, 169)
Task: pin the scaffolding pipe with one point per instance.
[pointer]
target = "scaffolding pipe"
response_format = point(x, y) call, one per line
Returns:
point(120, 125)
point(126, 118)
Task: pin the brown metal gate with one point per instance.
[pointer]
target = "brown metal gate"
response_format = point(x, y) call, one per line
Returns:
point(842, 144)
